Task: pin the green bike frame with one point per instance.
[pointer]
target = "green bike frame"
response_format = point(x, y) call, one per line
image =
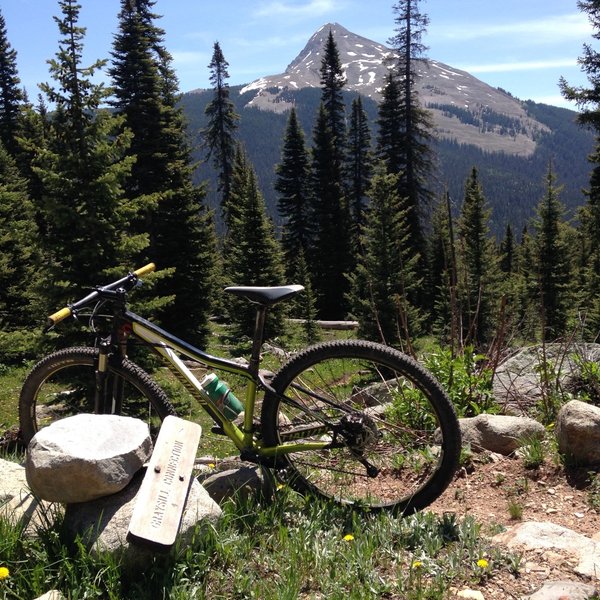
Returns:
point(170, 349)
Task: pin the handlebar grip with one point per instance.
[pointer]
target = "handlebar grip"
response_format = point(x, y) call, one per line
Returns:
point(149, 268)
point(59, 316)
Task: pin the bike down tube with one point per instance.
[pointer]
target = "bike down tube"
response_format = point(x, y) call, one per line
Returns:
point(168, 347)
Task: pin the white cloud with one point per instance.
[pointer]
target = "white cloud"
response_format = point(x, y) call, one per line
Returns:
point(548, 29)
point(554, 100)
point(523, 65)
point(185, 57)
point(296, 9)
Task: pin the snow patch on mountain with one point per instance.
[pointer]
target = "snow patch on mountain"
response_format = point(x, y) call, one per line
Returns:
point(464, 108)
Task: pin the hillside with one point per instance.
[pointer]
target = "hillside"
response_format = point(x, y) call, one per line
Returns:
point(511, 142)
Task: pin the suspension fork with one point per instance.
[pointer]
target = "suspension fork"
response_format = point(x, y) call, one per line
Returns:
point(109, 391)
point(101, 375)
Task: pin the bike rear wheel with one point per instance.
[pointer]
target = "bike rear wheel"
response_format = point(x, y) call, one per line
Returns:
point(393, 434)
point(65, 383)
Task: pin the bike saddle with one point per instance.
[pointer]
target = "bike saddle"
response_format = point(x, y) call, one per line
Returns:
point(265, 295)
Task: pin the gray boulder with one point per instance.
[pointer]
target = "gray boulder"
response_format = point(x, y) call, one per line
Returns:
point(499, 433)
point(103, 523)
point(84, 457)
point(244, 480)
point(13, 481)
point(518, 381)
point(567, 590)
point(578, 432)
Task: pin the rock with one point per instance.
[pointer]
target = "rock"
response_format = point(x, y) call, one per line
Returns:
point(534, 535)
point(33, 514)
point(103, 523)
point(517, 385)
point(499, 433)
point(561, 590)
point(240, 480)
point(85, 457)
point(13, 480)
point(52, 595)
point(578, 432)
point(470, 595)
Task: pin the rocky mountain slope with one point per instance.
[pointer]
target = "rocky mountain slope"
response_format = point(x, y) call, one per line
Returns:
point(465, 109)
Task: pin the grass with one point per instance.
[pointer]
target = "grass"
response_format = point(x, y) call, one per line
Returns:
point(292, 547)
point(11, 380)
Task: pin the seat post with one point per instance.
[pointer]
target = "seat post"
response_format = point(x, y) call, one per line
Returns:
point(257, 340)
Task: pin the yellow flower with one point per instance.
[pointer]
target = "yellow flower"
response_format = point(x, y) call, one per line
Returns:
point(4, 573)
point(482, 563)
point(211, 465)
point(417, 564)
point(280, 486)
point(348, 537)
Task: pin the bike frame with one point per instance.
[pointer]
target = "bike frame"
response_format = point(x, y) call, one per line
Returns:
point(170, 348)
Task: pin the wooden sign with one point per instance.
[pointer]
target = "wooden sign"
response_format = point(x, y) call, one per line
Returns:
point(162, 495)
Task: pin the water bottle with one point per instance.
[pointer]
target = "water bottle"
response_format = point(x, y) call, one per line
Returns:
point(221, 396)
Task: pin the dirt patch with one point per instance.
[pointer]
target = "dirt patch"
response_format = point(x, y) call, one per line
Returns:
point(499, 492)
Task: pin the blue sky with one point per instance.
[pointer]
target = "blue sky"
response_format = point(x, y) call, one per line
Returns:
point(523, 46)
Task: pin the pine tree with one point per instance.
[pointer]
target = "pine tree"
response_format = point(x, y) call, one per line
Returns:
point(332, 84)
point(222, 123)
point(507, 251)
point(19, 263)
point(181, 230)
point(441, 274)
point(294, 202)
point(480, 276)
point(551, 263)
point(251, 252)
point(589, 217)
point(385, 275)
point(588, 102)
point(390, 138)
point(417, 125)
point(81, 169)
point(332, 256)
point(12, 97)
point(330, 259)
point(359, 157)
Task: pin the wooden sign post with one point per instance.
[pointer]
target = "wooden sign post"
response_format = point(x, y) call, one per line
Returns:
point(161, 499)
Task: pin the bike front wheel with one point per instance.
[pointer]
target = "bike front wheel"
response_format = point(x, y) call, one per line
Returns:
point(390, 435)
point(66, 383)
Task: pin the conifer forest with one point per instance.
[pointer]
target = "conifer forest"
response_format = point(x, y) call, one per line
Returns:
point(96, 180)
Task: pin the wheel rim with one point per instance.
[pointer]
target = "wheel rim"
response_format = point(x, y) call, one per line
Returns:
point(70, 390)
point(397, 448)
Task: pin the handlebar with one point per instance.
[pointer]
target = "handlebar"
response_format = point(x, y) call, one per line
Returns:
point(66, 312)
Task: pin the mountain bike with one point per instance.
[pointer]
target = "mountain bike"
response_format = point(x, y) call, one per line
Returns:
point(354, 421)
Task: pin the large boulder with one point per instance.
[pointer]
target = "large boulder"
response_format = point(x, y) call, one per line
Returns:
point(13, 481)
point(85, 457)
point(245, 480)
point(578, 432)
point(499, 433)
point(519, 381)
point(102, 525)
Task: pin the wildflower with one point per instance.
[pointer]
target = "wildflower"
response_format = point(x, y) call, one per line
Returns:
point(417, 564)
point(348, 537)
point(4, 573)
point(482, 563)
point(280, 486)
point(211, 465)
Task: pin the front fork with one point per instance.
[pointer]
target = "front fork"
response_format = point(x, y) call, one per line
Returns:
point(108, 395)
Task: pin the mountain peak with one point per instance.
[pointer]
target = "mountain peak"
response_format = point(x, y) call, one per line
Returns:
point(464, 108)
point(362, 62)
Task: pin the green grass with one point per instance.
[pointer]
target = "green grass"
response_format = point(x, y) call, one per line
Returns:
point(11, 380)
point(293, 547)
